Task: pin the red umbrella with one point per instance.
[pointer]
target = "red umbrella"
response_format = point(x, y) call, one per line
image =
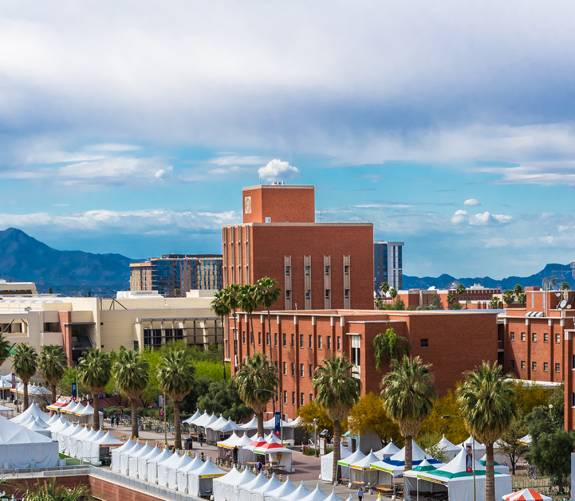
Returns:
point(526, 495)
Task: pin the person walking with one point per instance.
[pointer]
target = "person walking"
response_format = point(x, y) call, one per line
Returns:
point(200, 438)
point(235, 455)
point(360, 494)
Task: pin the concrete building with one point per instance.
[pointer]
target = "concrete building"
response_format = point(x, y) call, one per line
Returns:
point(184, 272)
point(317, 265)
point(17, 288)
point(78, 324)
point(387, 264)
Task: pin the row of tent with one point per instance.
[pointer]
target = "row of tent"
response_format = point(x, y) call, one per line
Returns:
point(270, 447)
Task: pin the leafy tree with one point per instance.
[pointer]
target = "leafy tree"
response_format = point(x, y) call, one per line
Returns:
point(338, 391)
point(378, 303)
point(175, 375)
point(393, 292)
point(389, 346)
point(95, 372)
point(220, 307)
point(177, 292)
point(494, 302)
point(222, 398)
point(408, 394)
point(453, 429)
point(312, 410)
point(509, 444)
point(48, 491)
point(518, 289)
point(384, 288)
point(399, 304)
point(64, 387)
point(551, 445)
point(369, 415)
point(257, 373)
point(429, 442)
point(267, 295)
point(488, 407)
point(4, 349)
point(530, 396)
point(450, 299)
point(508, 297)
point(436, 303)
point(522, 298)
point(52, 364)
point(456, 306)
point(130, 371)
point(24, 365)
point(565, 286)
point(247, 301)
point(49, 290)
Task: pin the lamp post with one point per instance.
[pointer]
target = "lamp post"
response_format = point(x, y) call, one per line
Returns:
point(274, 407)
point(473, 462)
point(315, 437)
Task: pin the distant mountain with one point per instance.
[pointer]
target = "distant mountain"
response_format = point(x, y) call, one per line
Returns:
point(506, 283)
point(23, 258)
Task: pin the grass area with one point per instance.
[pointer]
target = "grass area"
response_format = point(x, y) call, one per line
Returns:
point(73, 461)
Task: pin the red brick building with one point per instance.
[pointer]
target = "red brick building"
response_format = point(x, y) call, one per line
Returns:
point(453, 341)
point(476, 297)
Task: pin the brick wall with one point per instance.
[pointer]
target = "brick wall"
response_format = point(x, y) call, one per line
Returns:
point(294, 204)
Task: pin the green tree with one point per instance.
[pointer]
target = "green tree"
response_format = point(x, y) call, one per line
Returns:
point(48, 491)
point(4, 349)
point(384, 288)
point(508, 297)
point(175, 380)
point(510, 446)
point(518, 289)
point(565, 286)
point(399, 304)
point(220, 307)
point(312, 410)
point(49, 290)
point(436, 303)
point(460, 290)
point(456, 306)
point(389, 346)
point(52, 364)
point(369, 415)
point(222, 398)
point(453, 429)
point(338, 391)
point(177, 292)
point(408, 394)
point(267, 295)
point(24, 365)
point(247, 301)
point(450, 299)
point(393, 292)
point(494, 302)
point(130, 372)
point(256, 381)
point(522, 298)
point(488, 407)
point(95, 372)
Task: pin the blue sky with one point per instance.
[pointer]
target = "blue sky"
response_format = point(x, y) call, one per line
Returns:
point(131, 127)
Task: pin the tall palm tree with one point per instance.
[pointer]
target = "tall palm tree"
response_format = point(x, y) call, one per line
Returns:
point(130, 372)
point(4, 349)
point(175, 375)
point(389, 346)
point(488, 405)
point(95, 372)
point(257, 373)
point(52, 364)
point(268, 295)
point(338, 391)
point(24, 365)
point(221, 308)
point(247, 301)
point(408, 394)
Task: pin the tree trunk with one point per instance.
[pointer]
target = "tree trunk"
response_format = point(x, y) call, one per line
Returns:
point(252, 338)
point(25, 398)
point(489, 475)
point(336, 449)
point(408, 453)
point(177, 427)
point(260, 418)
point(224, 351)
point(134, 404)
point(560, 482)
point(96, 425)
point(270, 334)
point(53, 398)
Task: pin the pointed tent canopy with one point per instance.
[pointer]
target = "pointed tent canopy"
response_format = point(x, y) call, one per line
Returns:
point(425, 465)
point(316, 495)
point(70, 405)
point(227, 427)
point(165, 455)
point(83, 434)
point(244, 477)
point(252, 424)
point(34, 426)
point(479, 448)
point(126, 447)
point(211, 419)
point(13, 433)
point(258, 442)
point(456, 468)
point(73, 409)
point(388, 451)
point(299, 493)
point(132, 451)
point(255, 483)
point(497, 466)
point(333, 497)
point(365, 463)
point(396, 463)
point(526, 495)
point(356, 456)
point(143, 451)
point(447, 445)
point(96, 436)
point(152, 454)
point(218, 422)
point(209, 470)
point(109, 440)
point(181, 462)
point(204, 418)
point(284, 490)
point(60, 426)
point(191, 419)
point(74, 430)
point(526, 440)
point(273, 446)
point(269, 486)
point(235, 441)
point(85, 411)
point(29, 420)
point(173, 459)
point(32, 410)
point(229, 476)
point(54, 419)
point(192, 465)
point(270, 424)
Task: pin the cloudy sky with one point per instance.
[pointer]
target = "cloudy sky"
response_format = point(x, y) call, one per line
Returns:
point(131, 126)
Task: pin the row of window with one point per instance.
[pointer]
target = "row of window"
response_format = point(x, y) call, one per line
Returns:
point(308, 270)
point(308, 294)
point(302, 398)
point(301, 370)
point(534, 337)
point(301, 340)
point(534, 366)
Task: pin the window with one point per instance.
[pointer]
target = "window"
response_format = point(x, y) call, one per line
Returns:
point(302, 401)
point(545, 337)
point(327, 270)
point(346, 294)
point(252, 337)
point(513, 364)
point(285, 368)
point(327, 293)
point(522, 365)
point(338, 343)
point(311, 341)
point(557, 338)
point(288, 271)
point(523, 336)
point(293, 369)
point(534, 337)
point(573, 399)
point(244, 336)
point(293, 397)
point(259, 338)
point(557, 367)
point(276, 338)
point(346, 269)
point(307, 271)
point(269, 338)
point(545, 366)
point(285, 397)
point(425, 343)
point(310, 371)
point(356, 350)
point(512, 336)
point(301, 340)
point(573, 362)
point(285, 339)
point(310, 397)
point(534, 366)
point(329, 342)
point(288, 295)
point(308, 294)
point(293, 340)
point(301, 370)
point(319, 342)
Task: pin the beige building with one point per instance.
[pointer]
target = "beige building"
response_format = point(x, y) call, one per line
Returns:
point(136, 320)
point(17, 288)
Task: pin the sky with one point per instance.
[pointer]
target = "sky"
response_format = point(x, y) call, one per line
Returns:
point(131, 127)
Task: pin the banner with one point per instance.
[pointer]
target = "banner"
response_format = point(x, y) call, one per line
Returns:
point(74, 391)
point(277, 428)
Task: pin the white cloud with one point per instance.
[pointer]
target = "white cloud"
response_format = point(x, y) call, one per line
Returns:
point(471, 202)
point(459, 217)
point(481, 219)
point(276, 170)
point(238, 160)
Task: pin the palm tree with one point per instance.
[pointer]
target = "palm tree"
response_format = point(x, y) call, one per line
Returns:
point(389, 346)
point(52, 364)
point(5, 347)
point(175, 380)
point(257, 373)
point(95, 372)
point(338, 391)
point(221, 308)
point(248, 303)
point(384, 288)
point(267, 295)
point(24, 365)
point(393, 292)
point(408, 394)
point(130, 371)
point(487, 401)
point(49, 492)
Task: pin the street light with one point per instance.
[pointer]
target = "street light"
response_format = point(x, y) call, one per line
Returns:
point(274, 410)
point(473, 445)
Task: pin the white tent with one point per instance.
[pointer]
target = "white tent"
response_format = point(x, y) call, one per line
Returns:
point(229, 489)
point(451, 450)
point(526, 440)
point(479, 448)
point(53, 420)
point(284, 490)
point(252, 424)
point(245, 490)
point(272, 484)
point(211, 435)
point(98, 448)
point(143, 462)
point(334, 497)
point(32, 410)
point(454, 479)
point(115, 466)
point(274, 451)
point(87, 447)
point(76, 442)
point(182, 473)
point(228, 427)
point(63, 437)
point(497, 466)
point(125, 457)
point(163, 469)
point(388, 451)
point(133, 459)
point(72, 409)
point(76, 431)
point(191, 419)
point(85, 414)
point(244, 455)
point(200, 481)
point(199, 420)
point(352, 458)
point(23, 448)
point(288, 428)
point(173, 470)
point(299, 493)
point(35, 425)
point(153, 465)
point(316, 495)
point(326, 471)
point(361, 471)
point(218, 484)
point(57, 428)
